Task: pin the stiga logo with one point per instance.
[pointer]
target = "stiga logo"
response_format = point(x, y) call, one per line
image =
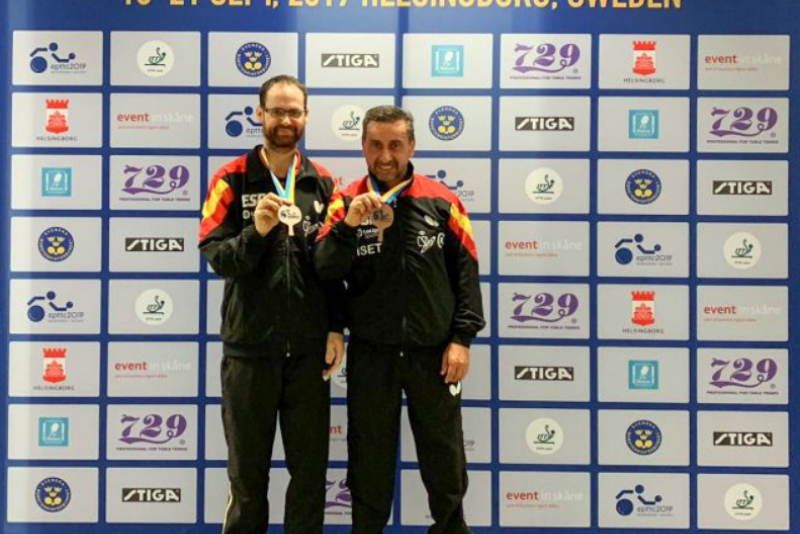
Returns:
point(544, 124)
point(166, 495)
point(154, 244)
point(348, 61)
point(544, 374)
point(743, 439)
point(742, 187)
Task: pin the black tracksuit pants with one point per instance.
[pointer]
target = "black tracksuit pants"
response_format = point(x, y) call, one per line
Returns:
point(376, 377)
point(254, 392)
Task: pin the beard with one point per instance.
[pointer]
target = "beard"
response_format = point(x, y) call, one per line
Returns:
point(282, 137)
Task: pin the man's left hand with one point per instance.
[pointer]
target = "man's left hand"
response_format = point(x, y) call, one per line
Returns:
point(334, 351)
point(455, 363)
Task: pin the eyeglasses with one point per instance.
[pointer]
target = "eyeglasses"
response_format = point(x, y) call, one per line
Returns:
point(279, 113)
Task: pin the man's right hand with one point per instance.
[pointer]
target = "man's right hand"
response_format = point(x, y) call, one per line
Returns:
point(360, 207)
point(266, 214)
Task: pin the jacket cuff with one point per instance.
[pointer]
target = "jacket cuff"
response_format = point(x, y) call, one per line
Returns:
point(462, 339)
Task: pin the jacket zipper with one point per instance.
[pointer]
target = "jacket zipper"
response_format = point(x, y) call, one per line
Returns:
point(403, 275)
point(288, 315)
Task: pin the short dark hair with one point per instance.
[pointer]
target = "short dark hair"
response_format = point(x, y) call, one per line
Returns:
point(286, 80)
point(388, 114)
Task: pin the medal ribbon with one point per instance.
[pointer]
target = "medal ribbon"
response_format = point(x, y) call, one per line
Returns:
point(392, 193)
point(287, 191)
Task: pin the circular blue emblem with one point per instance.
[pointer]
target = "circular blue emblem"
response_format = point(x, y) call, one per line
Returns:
point(643, 186)
point(253, 59)
point(53, 494)
point(446, 123)
point(56, 244)
point(643, 437)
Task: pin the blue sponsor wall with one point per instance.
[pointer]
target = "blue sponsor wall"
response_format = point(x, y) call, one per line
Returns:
point(627, 170)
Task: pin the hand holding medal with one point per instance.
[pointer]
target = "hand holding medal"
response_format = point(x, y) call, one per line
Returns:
point(373, 208)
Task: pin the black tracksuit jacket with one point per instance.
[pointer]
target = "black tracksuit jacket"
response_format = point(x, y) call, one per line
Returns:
point(273, 301)
point(420, 286)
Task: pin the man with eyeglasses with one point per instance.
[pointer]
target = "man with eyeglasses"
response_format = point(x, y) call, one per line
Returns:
point(281, 333)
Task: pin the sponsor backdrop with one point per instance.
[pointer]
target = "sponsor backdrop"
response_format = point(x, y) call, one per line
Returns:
point(627, 166)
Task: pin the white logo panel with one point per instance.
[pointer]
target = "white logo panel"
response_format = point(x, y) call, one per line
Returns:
point(451, 122)
point(643, 437)
point(743, 62)
point(539, 248)
point(47, 244)
point(235, 65)
point(644, 61)
point(349, 60)
point(164, 183)
point(152, 369)
point(550, 124)
point(57, 58)
point(57, 120)
point(643, 187)
point(54, 307)
point(53, 369)
point(743, 376)
point(544, 436)
point(150, 120)
point(743, 502)
point(651, 312)
point(165, 495)
point(745, 125)
point(556, 499)
point(545, 61)
point(56, 182)
point(80, 483)
point(151, 432)
point(742, 313)
point(544, 373)
point(155, 58)
point(453, 61)
point(544, 311)
point(53, 431)
point(154, 245)
point(153, 307)
point(742, 187)
point(544, 186)
point(644, 124)
point(643, 249)
point(644, 500)
point(742, 250)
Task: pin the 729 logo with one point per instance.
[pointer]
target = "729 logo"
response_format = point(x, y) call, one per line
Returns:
point(740, 373)
point(542, 58)
point(544, 307)
point(739, 122)
point(154, 180)
point(152, 428)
